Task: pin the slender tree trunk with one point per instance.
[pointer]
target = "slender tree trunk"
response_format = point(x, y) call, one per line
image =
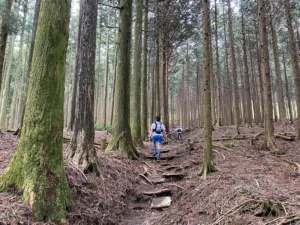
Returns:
point(4, 34)
point(229, 84)
point(153, 92)
point(260, 77)
point(294, 59)
point(67, 81)
point(158, 109)
point(136, 81)
point(121, 138)
point(145, 74)
point(234, 73)
point(114, 84)
point(282, 111)
point(106, 74)
point(219, 97)
point(5, 97)
point(16, 93)
point(37, 166)
point(287, 89)
point(82, 150)
point(265, 69)
point(247, 80)
point(208, 164)
point(165, 89)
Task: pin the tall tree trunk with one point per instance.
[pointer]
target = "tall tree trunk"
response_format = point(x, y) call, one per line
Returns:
point(208, 165)
point(287, 89)
point(153, 92)
point(165, 89)
point(106, 74)
point(136, 81)
point(158, 109)
point(4, 34)
point(258, 54)
point(67, 81)
point(265, 69)
point(114, 84)
point(37, 166)
point(282, 111)
point(145, 74)
point(16, 93)
point(121, 138)
point(34, 28)
point(75, 77)
point(229, 84)
point(234, 73)
point(82, 150)
point(247, 80)
point(219, 97)
point(294, 59)
point(5, 97)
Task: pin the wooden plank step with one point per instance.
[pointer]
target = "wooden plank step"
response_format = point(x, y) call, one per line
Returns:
point(173, 175)
point(157, 192)
point(159, 203)
point(156, 179)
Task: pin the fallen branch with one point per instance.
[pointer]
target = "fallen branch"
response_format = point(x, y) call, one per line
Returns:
point(143, 176)
point(174, 185)
point(230, 138)
point(259, 134)
point(285, 137)
point(79, 170)
point(225, 148)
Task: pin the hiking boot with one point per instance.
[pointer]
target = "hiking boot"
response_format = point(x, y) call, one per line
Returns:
point(154, 153)
point(157, 160)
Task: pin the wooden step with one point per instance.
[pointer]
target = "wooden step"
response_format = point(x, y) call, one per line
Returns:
point(159, 203)
point(157, 192)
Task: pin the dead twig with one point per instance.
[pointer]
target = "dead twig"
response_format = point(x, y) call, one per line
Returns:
point(174, 185)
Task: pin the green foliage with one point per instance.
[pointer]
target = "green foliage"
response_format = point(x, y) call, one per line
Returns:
point(10, 21)
point(99, 127)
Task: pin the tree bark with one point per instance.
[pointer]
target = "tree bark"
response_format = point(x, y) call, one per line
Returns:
point(157, 90)
point(247, 81)
point(287, 89)
point(208, 165)
point(82, 150)
point(34, 28)
point(145, 74)
point(219, 97)
point(234, 73)
point(4, 34)
point(16, 92)
point(282, 111)
point(36, 169)
point(294, 59)
point(106, 75)
point(269, 140)
point(6, 90)
point(122, 139)
point(136, 81)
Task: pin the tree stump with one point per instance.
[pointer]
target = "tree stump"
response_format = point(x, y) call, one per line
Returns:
point(103, 144)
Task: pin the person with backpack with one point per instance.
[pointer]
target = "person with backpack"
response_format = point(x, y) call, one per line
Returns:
point(179, 131)
point(157, 133)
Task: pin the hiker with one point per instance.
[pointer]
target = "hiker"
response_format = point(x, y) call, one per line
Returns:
point(157, 133)
point(178, 132)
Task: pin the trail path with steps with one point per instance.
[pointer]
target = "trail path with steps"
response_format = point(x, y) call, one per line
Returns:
point(159, 182)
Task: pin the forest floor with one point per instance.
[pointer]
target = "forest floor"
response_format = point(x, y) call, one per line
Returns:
point(252, 185)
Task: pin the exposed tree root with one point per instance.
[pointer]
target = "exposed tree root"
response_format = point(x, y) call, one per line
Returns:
point(207, 169)
point(230, 138)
